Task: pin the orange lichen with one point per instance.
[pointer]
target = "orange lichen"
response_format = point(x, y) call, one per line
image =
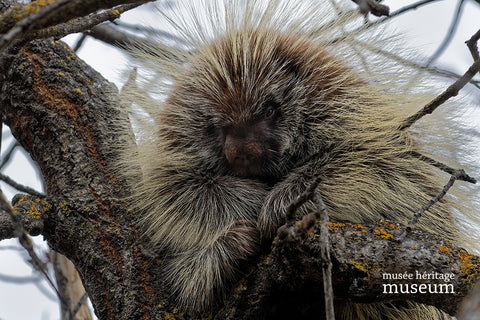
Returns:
point(466, 259)
point(34, 213)
point(335, 225)
point(169, 316)
point(381, 233)
point(444, 249)
point(368, 267)
point(360, 227)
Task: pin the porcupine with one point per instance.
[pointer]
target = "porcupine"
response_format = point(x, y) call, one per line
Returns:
point(262, 100)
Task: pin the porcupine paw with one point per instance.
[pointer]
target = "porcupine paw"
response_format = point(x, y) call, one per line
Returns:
point(272, 214)
point(242, 239)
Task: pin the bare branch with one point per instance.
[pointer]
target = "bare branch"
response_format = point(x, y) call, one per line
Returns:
point(30, 23)
point(301, 199)
point(20, 187)
point(27, 243)
point(9, 153)
point(19, 280)
point(472, 45)
point(325, 253)
point(82, 23)
point(372, 6)
point(464, 176)
point(418, 214)
point(450, 33)
point(451, 91)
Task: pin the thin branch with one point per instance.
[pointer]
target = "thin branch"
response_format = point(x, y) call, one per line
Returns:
point(27, 243)
point(20, 187)
point(392, 15)
point(450, 33)
point(9, 153)
point(30, 23)
point(301, 231)
point(451, 91)
point(472, 45)
point(149, 31)
point(122, 40)
point(372, 6)
point(12, 248)
point(46, 292)
point(301, 199)
point(79, 304)
point(83, 23)
point(418, 214)
point(413, 6)
point(443, 167)
point(80, 42)
point(325, 254)
point(19, 280)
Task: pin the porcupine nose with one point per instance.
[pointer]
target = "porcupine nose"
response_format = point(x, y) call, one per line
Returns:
point(243, 152)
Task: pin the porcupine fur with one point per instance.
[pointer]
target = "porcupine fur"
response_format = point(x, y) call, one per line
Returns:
point(332, 117)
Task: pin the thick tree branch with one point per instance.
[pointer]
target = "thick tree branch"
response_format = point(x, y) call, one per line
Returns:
point(65, 12)
point(367, 261)
point(62, 113)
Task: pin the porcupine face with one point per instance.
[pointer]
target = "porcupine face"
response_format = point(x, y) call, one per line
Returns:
point(253, 107)
point(254, 92)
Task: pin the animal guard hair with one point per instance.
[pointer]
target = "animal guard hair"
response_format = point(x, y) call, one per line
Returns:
point(263, 97)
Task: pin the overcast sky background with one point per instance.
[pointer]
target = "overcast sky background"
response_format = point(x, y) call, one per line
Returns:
point(424, 28)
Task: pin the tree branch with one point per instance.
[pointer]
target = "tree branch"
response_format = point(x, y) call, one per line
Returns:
point(365, 258)
point(369, 254)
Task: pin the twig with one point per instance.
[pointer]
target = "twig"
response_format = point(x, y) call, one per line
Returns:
point(443, 167)
point(472, 45)
point(80, 42)
point(79, 304)
point(325, 254)
point(149, 31)
point(450, 33)
point(413, 6)
point(451, 91)
point(392, 15)
point(372, 6)
point(27, 243)
point(123, 40)
point(83, 23)
point(9, 153)
point(434, 200)
point(20, 187)
point(301, 230)
point(300, 200)
point(19, 280)
point(29, 23)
